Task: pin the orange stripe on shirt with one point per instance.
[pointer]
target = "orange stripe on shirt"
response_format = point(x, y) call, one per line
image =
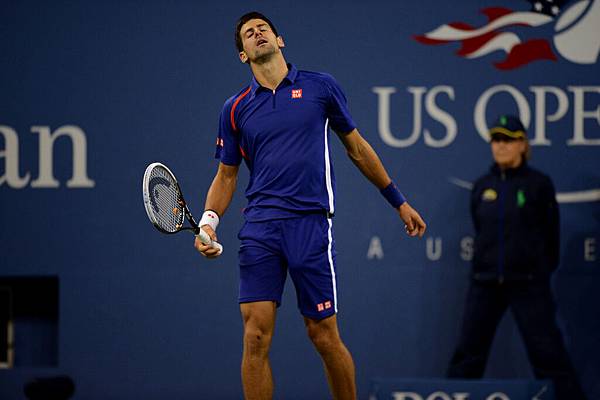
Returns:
point(232, 117)
point(243, 153)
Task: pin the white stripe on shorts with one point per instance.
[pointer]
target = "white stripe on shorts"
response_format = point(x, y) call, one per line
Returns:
point(330, 257)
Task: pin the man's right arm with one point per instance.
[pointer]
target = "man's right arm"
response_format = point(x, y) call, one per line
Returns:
point(218, 199)
point(221, 190)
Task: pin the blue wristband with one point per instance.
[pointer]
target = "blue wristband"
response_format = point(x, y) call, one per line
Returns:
point(393, 195)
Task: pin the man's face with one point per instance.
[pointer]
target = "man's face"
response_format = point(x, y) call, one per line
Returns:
point(259, 41)
point(507, 152)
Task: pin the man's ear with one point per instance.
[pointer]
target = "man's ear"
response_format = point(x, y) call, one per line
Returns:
point(243, 57)
point(280, 42)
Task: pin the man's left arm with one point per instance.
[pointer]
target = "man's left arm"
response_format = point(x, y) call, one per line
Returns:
point(366, 160)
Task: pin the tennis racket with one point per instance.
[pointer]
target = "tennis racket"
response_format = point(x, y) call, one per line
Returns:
point(165, 205)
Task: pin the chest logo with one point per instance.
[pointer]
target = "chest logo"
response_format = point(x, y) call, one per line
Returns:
point(521, 198)
point(296, 93)
point(489, 195)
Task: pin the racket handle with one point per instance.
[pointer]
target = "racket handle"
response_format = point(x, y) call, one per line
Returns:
point(204, 238)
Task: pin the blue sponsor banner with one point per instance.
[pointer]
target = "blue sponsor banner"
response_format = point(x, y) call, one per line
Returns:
point(439, 389)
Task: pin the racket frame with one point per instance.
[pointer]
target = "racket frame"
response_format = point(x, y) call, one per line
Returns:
point(184, 207)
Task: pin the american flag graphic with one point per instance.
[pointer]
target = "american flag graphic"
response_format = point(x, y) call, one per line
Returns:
point(500, 34)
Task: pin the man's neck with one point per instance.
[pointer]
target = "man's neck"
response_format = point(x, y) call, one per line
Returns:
point(270, 73)
point(511, 165)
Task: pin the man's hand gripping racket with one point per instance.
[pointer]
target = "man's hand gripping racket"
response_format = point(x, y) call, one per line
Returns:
point(167, 209)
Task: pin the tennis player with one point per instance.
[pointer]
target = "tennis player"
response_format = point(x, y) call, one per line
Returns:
point(278, 125)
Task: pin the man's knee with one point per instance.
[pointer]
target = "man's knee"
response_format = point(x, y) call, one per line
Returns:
point(324, 335)
point(257, 341)
point(259, 320)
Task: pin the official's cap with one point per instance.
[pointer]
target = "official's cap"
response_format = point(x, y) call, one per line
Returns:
point(508, 125)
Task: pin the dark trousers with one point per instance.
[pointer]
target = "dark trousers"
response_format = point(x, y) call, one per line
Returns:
point(534, 311)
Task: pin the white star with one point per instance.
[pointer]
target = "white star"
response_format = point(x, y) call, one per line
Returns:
point(555, 10)
point(538, 6)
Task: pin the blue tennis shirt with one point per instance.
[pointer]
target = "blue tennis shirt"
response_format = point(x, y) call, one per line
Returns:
point(283, 137)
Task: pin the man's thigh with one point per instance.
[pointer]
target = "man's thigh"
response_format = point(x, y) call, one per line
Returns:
point(262, 268)
point(309, 249)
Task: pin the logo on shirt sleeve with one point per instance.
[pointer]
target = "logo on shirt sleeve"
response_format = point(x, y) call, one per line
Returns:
point(296, 93)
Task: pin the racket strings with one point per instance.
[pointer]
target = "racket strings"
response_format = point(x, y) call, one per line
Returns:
point(165, 200)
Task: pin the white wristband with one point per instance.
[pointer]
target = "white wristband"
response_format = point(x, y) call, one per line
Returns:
point(210, 218)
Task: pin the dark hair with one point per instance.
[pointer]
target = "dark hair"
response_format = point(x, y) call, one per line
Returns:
point(245, 18)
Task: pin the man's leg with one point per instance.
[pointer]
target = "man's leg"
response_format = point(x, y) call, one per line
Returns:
point(485, 305)
point(535, 313)
point(339, 366)
point(259, 323)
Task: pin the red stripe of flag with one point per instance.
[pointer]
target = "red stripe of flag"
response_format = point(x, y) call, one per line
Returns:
point(524, 53)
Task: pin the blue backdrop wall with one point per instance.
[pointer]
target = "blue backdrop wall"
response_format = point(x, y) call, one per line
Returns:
point(93, 91)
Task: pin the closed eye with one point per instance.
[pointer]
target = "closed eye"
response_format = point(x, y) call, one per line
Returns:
point(250, 31)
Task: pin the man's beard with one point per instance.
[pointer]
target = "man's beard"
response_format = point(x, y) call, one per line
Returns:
point(264, 56)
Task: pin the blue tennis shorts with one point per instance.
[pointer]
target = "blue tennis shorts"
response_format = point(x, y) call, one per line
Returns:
point(303, 245)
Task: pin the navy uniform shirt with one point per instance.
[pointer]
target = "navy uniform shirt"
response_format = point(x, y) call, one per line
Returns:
point(283, 137)
point(517, 225)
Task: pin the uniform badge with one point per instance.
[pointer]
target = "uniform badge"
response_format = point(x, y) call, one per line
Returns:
point(489, 195)
point(521, 198)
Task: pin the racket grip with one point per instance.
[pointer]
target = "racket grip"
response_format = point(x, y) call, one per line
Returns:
point(204, 238)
